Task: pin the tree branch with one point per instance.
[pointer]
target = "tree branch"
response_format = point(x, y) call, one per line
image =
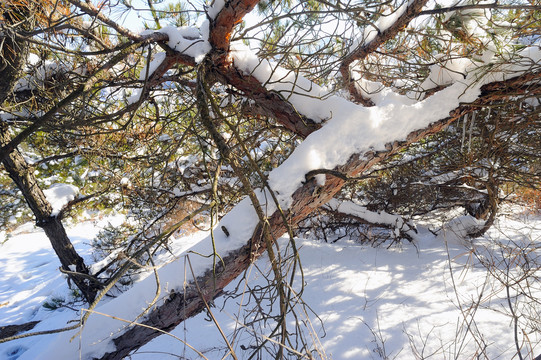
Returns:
point(363, 50)
point(272, 104)
point(493, 5)
point(90, 9)
point(222, 26)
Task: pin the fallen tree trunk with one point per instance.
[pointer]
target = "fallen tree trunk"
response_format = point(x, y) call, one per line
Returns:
point(178, 306)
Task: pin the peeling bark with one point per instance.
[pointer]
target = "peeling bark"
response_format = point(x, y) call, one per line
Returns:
point(222, 26)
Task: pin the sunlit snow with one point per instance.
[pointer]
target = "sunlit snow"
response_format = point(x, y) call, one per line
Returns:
point(368, 301)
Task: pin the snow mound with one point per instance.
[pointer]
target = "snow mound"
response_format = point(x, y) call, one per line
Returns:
point(59, 195)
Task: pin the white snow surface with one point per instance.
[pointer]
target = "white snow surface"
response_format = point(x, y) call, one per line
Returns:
point(59, 195)
point(379, 93)
point(240, 223)
point(448, 72)
point(215, 8)
point(370, 302)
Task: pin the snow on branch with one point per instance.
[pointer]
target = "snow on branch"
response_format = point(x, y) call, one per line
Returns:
point(349, 129)
point(98, 333)
point(354, 129)
point(59, 195)
point(383, 29)
point(267, 103)
point(374, 36)
point(106, 337)
point(400, 226)
point(303, 94)
point(351, 208)
point(189, 45)
point(187, 40)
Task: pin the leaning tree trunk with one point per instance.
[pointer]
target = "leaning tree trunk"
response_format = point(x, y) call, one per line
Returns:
point(23, 176)
point(12, 60)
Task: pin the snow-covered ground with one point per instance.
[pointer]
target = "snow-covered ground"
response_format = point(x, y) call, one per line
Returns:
point(435, 299)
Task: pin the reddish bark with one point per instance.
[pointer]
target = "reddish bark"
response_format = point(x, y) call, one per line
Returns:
point(271, 103)
point(222, 26)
